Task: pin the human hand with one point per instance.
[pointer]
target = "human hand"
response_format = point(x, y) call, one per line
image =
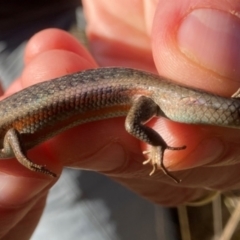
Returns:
point(211, 157)
point(184, 39)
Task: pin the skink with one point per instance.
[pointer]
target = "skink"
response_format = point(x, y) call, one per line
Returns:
point(41, 111)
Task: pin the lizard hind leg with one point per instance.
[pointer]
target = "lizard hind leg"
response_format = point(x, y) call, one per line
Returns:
point(142, 110)
point(12, 148)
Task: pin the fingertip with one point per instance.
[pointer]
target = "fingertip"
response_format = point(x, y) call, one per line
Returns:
point(52, 64)
point(50, 39)
point(173, 57)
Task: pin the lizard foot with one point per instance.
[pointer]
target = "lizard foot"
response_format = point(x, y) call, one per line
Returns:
point(155, 158)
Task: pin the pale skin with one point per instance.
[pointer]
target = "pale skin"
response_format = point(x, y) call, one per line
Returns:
point(116, 153)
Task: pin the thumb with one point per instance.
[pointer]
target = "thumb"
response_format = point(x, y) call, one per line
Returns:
point(196, 43)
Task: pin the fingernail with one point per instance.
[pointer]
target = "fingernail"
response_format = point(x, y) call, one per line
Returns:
point(15, 191)
point(211, 38)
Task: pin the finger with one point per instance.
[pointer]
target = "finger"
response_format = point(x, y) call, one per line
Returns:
point(52, 64)
point(45, 66)
point(18, 204)
point(50, 39)
point(191, 188)
point(43, 42)
point(162, 193)
point(108, 41)
point(222, 178)
point(197, 45)
point(26, 224)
